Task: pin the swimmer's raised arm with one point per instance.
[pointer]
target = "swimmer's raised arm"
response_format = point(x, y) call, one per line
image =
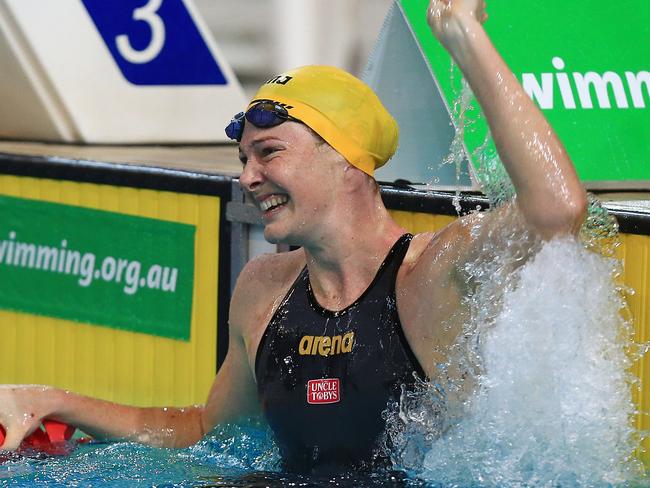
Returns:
point(549, 193)
point(550, 197)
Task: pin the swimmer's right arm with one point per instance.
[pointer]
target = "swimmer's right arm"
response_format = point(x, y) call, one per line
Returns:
point(232, 396)
point(23, 407)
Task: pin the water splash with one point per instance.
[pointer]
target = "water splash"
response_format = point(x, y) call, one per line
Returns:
point(544, 354)
point(549, 349)
point(488, 169)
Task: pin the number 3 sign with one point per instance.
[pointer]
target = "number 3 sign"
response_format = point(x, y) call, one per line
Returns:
point(154, 42)
point(113, 71)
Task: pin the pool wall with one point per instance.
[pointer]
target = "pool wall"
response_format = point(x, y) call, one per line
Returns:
point(111, 362)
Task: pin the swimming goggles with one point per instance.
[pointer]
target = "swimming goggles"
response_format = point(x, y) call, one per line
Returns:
point(263, 114)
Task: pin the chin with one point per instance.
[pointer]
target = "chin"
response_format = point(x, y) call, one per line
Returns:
point(273, 236)
point(277, 236)
point(271, 239)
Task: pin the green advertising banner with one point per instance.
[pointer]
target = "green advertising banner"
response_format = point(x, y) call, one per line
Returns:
point(585, 63)
point(98, 267)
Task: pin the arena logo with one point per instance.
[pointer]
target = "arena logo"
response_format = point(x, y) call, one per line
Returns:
point(602, 85)
point(326, 346)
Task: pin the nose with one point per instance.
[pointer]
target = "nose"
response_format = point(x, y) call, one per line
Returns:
point(252, 176)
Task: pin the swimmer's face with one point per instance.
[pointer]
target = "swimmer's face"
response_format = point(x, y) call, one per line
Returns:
point(291, 175)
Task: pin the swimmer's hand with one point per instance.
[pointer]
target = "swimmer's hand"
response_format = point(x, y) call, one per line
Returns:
point(452, 20)
point(22, 407)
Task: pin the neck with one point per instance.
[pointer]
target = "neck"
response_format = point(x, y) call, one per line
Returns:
point(342, 263)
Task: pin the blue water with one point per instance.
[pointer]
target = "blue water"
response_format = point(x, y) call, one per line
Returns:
point(231, 456)
point(229, 452)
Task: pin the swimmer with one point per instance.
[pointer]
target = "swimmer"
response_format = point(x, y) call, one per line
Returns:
point(323, 337)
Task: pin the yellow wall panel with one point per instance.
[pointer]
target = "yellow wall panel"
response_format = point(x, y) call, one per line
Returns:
point(420, 222)
point(635, 254)
point(119, 365)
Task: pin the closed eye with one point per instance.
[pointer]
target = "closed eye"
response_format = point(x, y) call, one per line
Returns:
point(267, 151)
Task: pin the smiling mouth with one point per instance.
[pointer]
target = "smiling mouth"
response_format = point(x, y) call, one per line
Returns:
point(273, 202)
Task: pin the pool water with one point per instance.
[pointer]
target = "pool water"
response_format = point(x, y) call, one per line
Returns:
point(241, 455)
point(230, 452)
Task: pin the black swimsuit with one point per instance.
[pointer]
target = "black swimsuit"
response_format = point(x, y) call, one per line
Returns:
point(324, 378)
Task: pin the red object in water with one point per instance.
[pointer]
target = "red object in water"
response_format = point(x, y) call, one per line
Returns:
point(50, 439)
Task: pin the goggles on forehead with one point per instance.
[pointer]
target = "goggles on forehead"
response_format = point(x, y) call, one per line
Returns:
point(262, 114)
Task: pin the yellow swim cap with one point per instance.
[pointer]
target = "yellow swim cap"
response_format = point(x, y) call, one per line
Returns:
point(341, 109)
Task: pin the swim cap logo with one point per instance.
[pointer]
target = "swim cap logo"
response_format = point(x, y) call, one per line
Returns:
point(279, 80)
point(326, 390)
point(326, 346)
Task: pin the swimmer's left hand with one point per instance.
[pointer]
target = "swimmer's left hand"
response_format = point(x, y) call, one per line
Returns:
point(451, 20)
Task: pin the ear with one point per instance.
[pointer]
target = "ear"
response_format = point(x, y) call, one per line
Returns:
point(354, 178)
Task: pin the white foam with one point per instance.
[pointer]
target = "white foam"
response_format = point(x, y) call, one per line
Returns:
point(553, 404)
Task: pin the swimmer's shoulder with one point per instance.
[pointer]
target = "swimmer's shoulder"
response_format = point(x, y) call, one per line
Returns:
point(262, 283)
point(272, 269)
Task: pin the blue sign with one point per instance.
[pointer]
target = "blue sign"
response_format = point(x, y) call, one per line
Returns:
point(155, 42)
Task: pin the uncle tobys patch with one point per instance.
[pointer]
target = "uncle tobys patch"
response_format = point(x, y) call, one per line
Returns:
point(322, 391)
